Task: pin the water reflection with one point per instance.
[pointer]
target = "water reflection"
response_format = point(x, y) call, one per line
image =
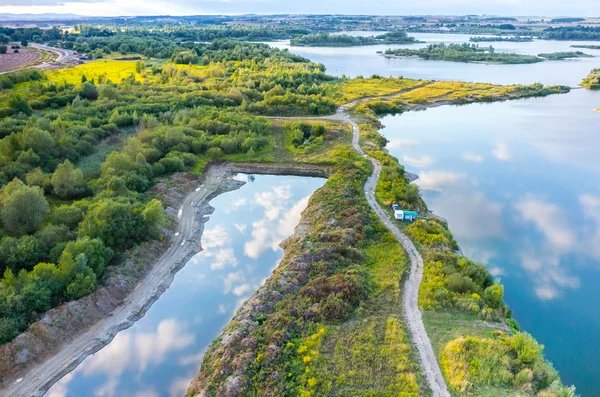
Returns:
point(517, 183)
point(162, 352)
point(364, 61)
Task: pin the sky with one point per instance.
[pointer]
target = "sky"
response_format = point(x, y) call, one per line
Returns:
point(381, 7)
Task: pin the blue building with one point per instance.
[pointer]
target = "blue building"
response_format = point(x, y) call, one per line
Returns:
point(404, 216)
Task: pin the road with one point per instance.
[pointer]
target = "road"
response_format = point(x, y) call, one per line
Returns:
point(63, 56)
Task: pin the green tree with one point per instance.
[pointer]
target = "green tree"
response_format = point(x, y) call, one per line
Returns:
point(68, 181)
point(83, 284)
point(97, 255)
point(18, 104)
point(89, 91)
point(154, 216)
point(117, 224)
point(23, 207)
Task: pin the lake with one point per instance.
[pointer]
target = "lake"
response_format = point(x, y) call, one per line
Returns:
point(517, 181)
point(161, 353)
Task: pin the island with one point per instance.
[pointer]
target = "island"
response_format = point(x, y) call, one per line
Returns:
point(512, 39)
point(463, 53)
point(558, 56)
point(586, 46)
point(592, 81)
point(345, 40)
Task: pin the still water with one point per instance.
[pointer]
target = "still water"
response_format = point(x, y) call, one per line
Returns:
point(357, 61)
point(518, 182)
point(161, 353)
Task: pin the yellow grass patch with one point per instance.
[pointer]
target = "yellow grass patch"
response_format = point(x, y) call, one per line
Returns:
point(114, 71)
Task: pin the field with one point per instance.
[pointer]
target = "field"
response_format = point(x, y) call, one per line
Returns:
point(350, 90)
point(12, 61)
point(114, 71)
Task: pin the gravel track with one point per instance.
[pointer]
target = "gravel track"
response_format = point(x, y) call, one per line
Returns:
point(410, 299)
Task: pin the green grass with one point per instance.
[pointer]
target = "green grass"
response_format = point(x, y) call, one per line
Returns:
point(92, 163)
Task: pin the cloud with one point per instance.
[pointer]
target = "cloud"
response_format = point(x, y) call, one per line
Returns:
point(481, 217)
point(439, 180)
point(387, 7)
point(402, 143)
point(151, 348)
point(591, 210)
point(501, 152)
point(273, 201)
point(223, 258)
point(215, 237)
point(548, 219)
point(475, 158)
point(421, 162)
point(232, 279)
point(241, 228)
point(547, 273)
point(281, 216)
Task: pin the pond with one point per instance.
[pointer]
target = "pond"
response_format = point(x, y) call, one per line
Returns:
point(161, 353)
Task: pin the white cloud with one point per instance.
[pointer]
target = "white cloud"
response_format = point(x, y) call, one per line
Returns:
point(439, 180)
point(469, 156)
point(496, 271)
point(591, 210)
point(151, 348)
point(420, 162)
point(549, 219)
point(215, 237)
point(241, 228)
point(547, 273)
point(402, 143)
point(223, 258)
point(501, 152)
point(477, 218)
point(273, 201)
point(231, 280)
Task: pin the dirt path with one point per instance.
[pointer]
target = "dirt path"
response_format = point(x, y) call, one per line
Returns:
point(410, 300)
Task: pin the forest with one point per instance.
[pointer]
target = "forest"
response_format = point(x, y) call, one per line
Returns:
point(344, 40)
point(509, 39)
point(572, 33)
point(464, 53)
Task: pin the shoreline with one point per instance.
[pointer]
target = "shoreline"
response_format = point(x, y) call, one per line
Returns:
point(36, 378)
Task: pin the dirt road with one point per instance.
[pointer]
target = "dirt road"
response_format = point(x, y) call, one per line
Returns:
point(410, 301)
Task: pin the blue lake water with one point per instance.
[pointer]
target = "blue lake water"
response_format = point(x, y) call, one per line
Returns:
point(161, 353)
point(517, 181)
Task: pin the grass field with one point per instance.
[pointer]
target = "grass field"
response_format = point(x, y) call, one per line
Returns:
point(114, 71)
point(349, 90)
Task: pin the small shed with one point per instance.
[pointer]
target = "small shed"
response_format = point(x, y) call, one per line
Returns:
point(404, 216)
